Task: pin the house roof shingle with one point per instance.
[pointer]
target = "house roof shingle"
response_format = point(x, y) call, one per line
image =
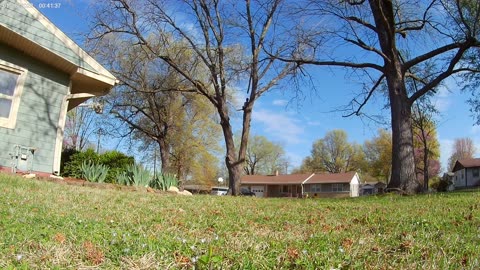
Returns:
point(466, 163)
point(331, 178)
point(298, 178)
point(275, 179)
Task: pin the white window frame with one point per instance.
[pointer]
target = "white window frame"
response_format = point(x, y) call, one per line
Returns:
point(11, 120)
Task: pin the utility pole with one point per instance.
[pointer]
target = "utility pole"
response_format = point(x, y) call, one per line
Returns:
point(100, 132)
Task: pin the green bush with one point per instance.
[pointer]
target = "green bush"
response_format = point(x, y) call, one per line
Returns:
point(94, 172)
point(440, 184)
point(67, 154)
point(116, 161)
point(73, 168)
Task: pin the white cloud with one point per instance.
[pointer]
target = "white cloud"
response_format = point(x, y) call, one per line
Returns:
point(280, 102)
point(279, 125)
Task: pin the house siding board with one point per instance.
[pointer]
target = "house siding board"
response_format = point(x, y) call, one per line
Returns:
point(471, 181)
point(39, 111)
point(15, 17)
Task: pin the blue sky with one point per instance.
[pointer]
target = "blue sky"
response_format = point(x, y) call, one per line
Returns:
point(297, 123)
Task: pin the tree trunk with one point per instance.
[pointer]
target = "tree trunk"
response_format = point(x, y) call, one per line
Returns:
point(234, 167)
point(164, 156)
point(426, 164)
point(403, 159)
point(234, 161)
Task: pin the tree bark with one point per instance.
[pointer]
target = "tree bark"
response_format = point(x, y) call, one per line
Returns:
point(164, 156)
point(403, 159)
point(426, 164)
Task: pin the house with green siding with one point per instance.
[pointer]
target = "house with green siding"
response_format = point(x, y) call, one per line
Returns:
point(43, 74)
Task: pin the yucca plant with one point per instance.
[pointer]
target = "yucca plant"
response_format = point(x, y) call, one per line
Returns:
point(94, 172)
point(141, 176)
point(123, 178)
point(164, 181)
point(134, 175)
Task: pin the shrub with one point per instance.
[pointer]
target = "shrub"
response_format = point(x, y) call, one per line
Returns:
point(73, 168)
point(116, 161)
point(441, 184)
point(67, 154)
point(94, 172)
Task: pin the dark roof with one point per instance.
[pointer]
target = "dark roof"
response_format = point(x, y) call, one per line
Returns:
point(376, 184)
point(466, 163)
point(298, 178)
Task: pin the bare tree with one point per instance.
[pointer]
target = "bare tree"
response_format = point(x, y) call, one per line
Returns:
point(390, 44)
point(463, 148)
point(78, 128)
point(225, 38)
point(427, 148)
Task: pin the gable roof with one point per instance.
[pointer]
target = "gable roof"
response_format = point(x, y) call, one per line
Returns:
point(24, 28)
point(466, 163)
point(298, 179)
point(332, 178)
point(280, 179)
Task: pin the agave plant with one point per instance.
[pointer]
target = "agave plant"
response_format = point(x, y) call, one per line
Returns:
point(94, 172)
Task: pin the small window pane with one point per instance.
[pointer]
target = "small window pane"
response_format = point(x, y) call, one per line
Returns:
point(5, 105)
point(8, 81)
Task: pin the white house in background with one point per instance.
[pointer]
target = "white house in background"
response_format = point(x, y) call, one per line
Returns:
point(303, 185)
point(466, 173)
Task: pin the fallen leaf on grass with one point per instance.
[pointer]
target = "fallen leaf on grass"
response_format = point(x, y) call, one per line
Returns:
point(92, 253)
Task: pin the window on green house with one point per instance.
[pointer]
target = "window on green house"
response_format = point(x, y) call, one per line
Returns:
point(11, 85)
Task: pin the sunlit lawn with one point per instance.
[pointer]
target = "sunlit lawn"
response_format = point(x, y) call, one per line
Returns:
point(52, 226)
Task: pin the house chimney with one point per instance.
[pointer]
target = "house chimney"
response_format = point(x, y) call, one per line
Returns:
point(276, 172)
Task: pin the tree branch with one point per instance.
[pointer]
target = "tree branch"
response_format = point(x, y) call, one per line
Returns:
point(370, 93)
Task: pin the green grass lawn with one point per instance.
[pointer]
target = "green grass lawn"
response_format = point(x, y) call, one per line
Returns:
point(46, 225)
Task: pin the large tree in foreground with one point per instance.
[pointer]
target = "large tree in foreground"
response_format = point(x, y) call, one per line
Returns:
point(227, 40)
point(392, 44)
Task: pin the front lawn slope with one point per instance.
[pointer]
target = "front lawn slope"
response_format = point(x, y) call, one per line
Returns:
point(47, 225)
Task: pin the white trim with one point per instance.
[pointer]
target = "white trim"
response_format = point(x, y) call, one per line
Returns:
point(11, 121)
point(80, 95)
point(60, 131)
point(308, 178)
point(97, 76)
point(65, 39)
